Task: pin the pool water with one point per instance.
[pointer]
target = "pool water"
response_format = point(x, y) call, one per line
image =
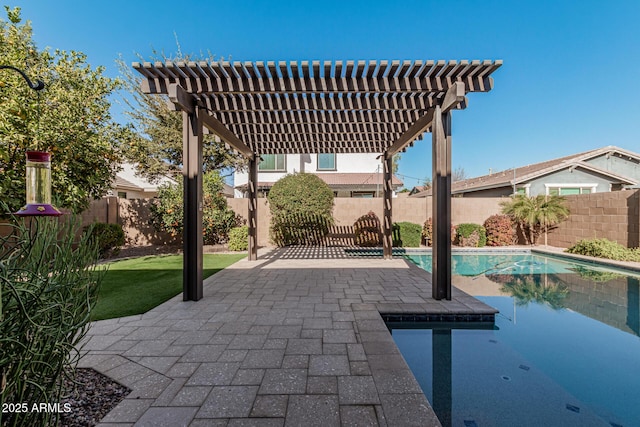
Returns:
point(565, 349)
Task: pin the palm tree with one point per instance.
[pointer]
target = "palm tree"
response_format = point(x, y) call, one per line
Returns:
point(532, 288)
point(536, 214)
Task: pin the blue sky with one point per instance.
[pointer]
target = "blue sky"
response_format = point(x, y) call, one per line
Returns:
point(570, 80)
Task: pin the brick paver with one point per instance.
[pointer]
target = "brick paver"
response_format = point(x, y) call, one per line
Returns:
point(281, 341)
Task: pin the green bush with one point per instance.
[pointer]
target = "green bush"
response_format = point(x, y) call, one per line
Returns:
point(500, 230)
point(239, 238)
point(49, 283)
point(107, 237)
point(367, 231)
point(473, 235)
point(217, 218)
point(604, 248)
point(407, 234)
point(301, 206)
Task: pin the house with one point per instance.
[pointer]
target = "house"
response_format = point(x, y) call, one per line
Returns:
point(418, 189)
point(601, 170)
point(129, 184)
point(348, 174)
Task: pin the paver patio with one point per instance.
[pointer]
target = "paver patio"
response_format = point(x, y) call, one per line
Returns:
point(282, 341)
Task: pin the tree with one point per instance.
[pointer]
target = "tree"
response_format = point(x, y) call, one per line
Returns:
point(301, 205)
point(395, 165)
point(458, 174)
point(69, 118)
point(426, 183)
point(156, 143)
point(535, 214)
point(217, 218)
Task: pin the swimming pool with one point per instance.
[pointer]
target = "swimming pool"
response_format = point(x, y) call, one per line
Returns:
point(565, 349)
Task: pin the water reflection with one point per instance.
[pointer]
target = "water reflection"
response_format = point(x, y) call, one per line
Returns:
point(533, 288)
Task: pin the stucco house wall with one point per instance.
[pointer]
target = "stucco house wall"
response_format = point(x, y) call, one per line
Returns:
point(345, 163)
point(566, 177)
point(619, 165)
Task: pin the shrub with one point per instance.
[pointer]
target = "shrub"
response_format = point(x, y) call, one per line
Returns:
point(427, 232)
point(239, 238)
point(500, 230)
point(366, 230)
point(407, 234)
point(301, 205)
point(49, 283)
point(604, 248)
point(107, 237)
point(473, 235)
point(217, 218)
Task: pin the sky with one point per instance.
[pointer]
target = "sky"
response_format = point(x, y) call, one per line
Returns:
point(570, 78)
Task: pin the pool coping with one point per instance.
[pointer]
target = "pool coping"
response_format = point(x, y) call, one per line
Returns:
point(545, 250)
point(559, 253)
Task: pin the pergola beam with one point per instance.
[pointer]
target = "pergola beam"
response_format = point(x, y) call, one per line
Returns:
point(453, 97)
point(416, 129)
point(217, 127)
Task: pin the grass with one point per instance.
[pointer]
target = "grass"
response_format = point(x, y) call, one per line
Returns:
point(135, 286)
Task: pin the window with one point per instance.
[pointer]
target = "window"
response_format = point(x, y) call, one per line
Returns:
point(521, 191)
point(569, 189)
point(327, 162)
point(363, 194)
point(122, 194)
point(273, 163)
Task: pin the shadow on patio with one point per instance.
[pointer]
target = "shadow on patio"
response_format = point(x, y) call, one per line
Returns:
point(292, 339)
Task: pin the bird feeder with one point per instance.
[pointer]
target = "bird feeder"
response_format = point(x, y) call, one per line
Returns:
point(38, 186)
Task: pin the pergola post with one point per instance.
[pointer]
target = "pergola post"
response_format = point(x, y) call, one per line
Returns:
point(387, 231)
point(253, 208)
point(441, 206)
point(192, 234)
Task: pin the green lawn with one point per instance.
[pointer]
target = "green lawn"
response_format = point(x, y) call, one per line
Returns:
point(135, 286)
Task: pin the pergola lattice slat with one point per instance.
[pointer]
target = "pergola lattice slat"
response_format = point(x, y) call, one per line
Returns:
point(319, 107)
point(224, 77)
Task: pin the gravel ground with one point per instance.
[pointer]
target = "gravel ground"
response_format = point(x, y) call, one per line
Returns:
point(91, 395)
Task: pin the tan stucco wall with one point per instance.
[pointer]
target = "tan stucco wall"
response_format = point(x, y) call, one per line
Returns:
point(615, 216)
point(347, 210)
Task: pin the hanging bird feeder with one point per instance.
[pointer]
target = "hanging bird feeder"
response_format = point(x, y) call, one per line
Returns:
point(38, 186)
point(38, 171)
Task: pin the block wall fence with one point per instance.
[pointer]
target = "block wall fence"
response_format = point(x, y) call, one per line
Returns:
point(615, 216)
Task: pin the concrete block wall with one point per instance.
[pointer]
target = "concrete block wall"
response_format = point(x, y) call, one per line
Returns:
point(614, 216)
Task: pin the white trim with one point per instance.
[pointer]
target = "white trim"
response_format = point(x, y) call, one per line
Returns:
point(571, 185)
point(526, 187)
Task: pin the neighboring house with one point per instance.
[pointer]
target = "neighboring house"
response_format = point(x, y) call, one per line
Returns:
point(418, 189)
point(602, 170)
point(348, 175)
point(129, 184)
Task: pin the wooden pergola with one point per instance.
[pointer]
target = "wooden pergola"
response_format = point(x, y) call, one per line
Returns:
point(317, 107)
